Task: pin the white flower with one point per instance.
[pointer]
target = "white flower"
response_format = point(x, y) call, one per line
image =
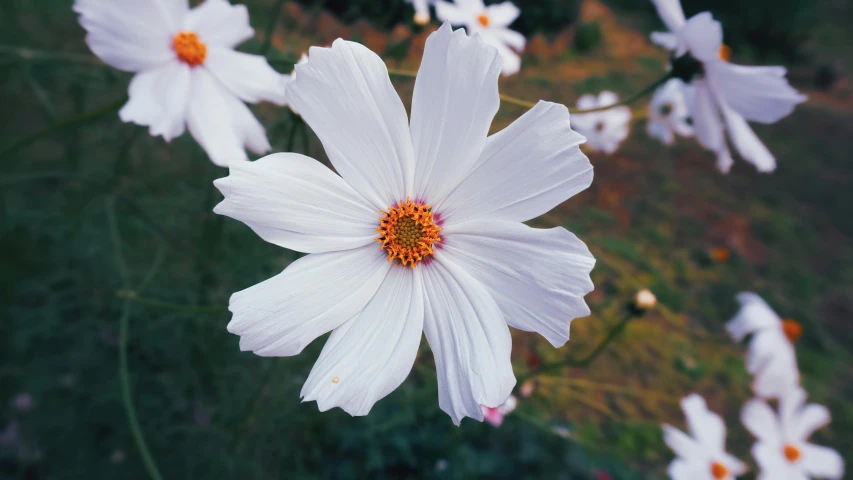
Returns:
point(434, 194)
point(606, 129)
point(702, 454)
point(188, 73)
point(491, 22)
point(782, 451)
point(668, 112)
point(422, 16)
point(738, 93)
point(771, 357)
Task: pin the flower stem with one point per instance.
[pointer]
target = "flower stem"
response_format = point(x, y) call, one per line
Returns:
point(27, 54)
point(133, 296)
point(273, 14)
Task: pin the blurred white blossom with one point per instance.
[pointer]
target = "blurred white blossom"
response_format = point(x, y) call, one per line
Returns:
point(668, 112)
point(606, 129)
point(437, 180)
point(491, 22)
point(422, 16)
point(702, 454)
point(188, 74)
point(782, 450)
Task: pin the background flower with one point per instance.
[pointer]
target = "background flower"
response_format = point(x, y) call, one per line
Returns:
point(606, 129)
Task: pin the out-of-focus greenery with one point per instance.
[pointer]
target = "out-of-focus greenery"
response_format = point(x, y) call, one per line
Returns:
point(652, 218)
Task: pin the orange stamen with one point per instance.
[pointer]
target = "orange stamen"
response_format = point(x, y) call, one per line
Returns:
point(792, 328)
point(792, 453)
point(719, 471)
point(189, 48)
point(408, 231)
point(725, 52)
point(484, 20)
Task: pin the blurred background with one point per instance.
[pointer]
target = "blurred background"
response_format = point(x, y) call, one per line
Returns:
point(99, 222)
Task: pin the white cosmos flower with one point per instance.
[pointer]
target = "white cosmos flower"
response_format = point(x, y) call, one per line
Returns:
point(422, 16)
point(491, 22)
point(702, 454)
point(606, 129)
point(188, 74)
point(668, 112)
point(433, 192)
point(771, 359)
point(726, 94)
point(782, 450)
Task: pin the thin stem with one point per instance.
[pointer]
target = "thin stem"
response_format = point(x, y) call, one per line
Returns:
point(28, 54)
point(274, 14)
point(133, 296)
point(80, 119)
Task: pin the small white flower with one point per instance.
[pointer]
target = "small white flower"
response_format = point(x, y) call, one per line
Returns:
point(422, 16)
point(782, 450)
point(491, 22)
point(668, 112)
point(188, 73)
point(702, 454)
point(421, 232)
point(738, 93)
point(606, 129)
point(771, 359)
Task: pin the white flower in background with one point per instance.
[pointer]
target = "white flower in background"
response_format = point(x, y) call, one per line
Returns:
point(702, 454)
point(668, 112)
point(422, 16)
point(782, 450)
point(495, 416)
point(606, 129)
point(726, 94)
point(771, 359)
point(188, 73)
point(491, 22)
point(421, 232)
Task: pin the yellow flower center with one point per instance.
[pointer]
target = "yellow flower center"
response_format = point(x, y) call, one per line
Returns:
point(483, 19)
point(792, 328)
point(792, 453)
point(407, 231)
point(719, 471)
point(189, 48)
point(725, 52)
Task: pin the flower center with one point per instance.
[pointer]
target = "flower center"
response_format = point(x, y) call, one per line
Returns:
point(792, 453)
point(599, 126)
point(792, 328)
point(189, 48)
point(666, 109)
point(719, 471)
point(725, 52)
point(407, 231)
point(483, 19)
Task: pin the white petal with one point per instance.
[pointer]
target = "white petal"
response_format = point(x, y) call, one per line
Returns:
point(313, 295)
point(671, 13)
point(345, 95)
point(808, 419)
point(448, 12)
point(666, 40)
point(660, 131)
point(510, 38)
point(455, 99)
point(706, 118)
point(790, 405)
point(683, 445)
point(705, 426)
point(703, 36)
point(681, 469)
point(298, 203)
point(469, 340)
point(502, 14)
point(747, 142)
point(724, 159)
point(158, 99)
point(129, 34)
point(369, 356)
point(525, 170)
point(538, 277)
point(821, 462)
point(586, 102)
point(249, 77)
point(221, 123)
point(773, 464)
point(778, 374)
point(511, 60)
point(734, 465)
point(754, 315)
point(761, 421)
point(759, 94)
point(218, 23)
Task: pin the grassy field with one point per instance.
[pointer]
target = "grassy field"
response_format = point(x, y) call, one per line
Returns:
point(109, 240)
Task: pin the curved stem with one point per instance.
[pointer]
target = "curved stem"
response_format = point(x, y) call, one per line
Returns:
point(274, 14)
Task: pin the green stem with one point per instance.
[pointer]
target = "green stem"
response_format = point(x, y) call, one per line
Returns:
point(31, 55)
point(273, 19)
point(133, 296)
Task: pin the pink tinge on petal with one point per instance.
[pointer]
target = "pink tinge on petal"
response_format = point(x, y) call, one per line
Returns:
point(493, 415)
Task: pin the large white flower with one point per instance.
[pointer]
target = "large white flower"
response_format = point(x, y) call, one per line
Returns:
point(782, 450)
point(188, 73)
point(491, 22)
point(726, 94)
point(420, 232)
point(668, 112)
point(702, 454)
point(606, 129)
point(771, 359)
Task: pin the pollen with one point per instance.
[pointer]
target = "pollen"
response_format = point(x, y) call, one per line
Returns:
point(336, 379)
point(408, 231)
point(189, 48)
point(484, 20)
point(792, 453)
point(792, 328)
point(725, 52)
point(719, 471)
